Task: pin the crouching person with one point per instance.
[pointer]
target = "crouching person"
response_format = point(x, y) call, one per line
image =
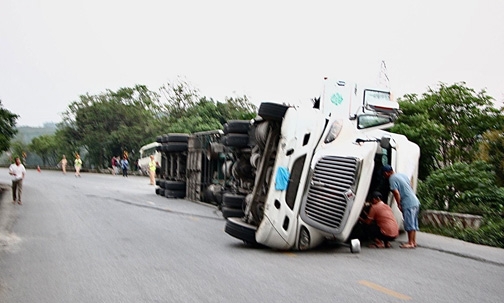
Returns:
point(382, 225)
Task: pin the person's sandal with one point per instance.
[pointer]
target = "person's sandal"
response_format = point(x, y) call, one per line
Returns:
point(374, 245)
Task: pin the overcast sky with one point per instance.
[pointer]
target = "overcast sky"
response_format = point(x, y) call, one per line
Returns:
point(53, 51)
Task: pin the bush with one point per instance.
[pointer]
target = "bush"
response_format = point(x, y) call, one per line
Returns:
point(463, 187)
point(490, 233)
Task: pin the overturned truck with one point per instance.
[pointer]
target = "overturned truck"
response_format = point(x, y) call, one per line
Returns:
point(304, 173)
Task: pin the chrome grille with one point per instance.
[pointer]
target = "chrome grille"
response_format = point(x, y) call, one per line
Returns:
point(333, 177)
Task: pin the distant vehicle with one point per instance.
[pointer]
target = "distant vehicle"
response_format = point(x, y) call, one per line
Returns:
point(145, 152)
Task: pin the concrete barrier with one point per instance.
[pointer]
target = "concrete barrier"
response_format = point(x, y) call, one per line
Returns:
point(439, 218)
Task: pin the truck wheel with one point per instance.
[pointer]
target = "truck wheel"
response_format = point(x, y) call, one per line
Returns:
point(233, 201)
point(236, 140)
point(272, 111)
point(237, 127)
point(177, 138)
point(228, 212)
point(176, 147)
point(237, 228)
point(175, 185)
point(174, 193)
point(355, 247)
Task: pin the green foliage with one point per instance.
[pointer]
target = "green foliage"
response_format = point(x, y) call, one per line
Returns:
point(447, 123)
point(179, 97)
point(237, 108)
point(46, 147)
point(7, 127)
point(491, 150)
point(490, 233)
point(462, 187)
point(111, 123)
point(17, 148)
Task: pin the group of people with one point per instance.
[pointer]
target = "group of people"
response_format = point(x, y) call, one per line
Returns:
point(118, 163)
point(77, 165)
point(383, 226)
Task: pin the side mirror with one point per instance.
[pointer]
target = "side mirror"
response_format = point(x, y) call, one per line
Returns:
point(385, 142)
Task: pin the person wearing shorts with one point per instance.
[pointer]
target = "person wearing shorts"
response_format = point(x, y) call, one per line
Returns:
point(407, 202)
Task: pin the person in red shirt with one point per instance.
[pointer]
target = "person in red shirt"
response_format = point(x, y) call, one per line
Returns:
point(383, 226)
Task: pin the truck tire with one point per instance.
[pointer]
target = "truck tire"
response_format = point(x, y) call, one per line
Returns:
point(164, 138)
point(230, 200)
point(175, 185)
point(177, 138)
point(236, 140)
point(231, 212)
point(237, 228)
point(176, 147)
point(236, 127)
point(174, 193)
point(272, 111)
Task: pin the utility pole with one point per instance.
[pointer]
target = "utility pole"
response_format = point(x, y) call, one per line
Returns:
point(383, 79)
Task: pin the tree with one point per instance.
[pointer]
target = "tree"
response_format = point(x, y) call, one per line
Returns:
point(209, 115)
point(491, 150)
point(236, 108)
point(46, 147)
point(447, 124)
point(463, 187)
point(179, 97)
point(112, 122)
point(465, 115)
point(18, 149)
point(7, 127)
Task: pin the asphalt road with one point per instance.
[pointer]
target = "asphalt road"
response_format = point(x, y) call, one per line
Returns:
point(103, 238)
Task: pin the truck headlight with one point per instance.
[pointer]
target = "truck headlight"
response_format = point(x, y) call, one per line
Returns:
point(334, 131)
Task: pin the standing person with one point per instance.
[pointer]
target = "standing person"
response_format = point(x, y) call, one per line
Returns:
point(152, 170)
point(77, 165)
point(113, 162)
point(383, 225)
point(158, 170)
point(125, 166)
point(18, 172)
point(407, 202)
point(118, 164)
point(63, 164)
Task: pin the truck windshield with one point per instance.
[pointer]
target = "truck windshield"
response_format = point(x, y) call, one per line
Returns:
point(375, 97)
point(366, 121)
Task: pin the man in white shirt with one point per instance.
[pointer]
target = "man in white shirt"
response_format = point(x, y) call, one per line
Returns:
point(17, 171)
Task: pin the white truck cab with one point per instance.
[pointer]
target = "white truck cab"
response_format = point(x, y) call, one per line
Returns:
point(316, 166)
